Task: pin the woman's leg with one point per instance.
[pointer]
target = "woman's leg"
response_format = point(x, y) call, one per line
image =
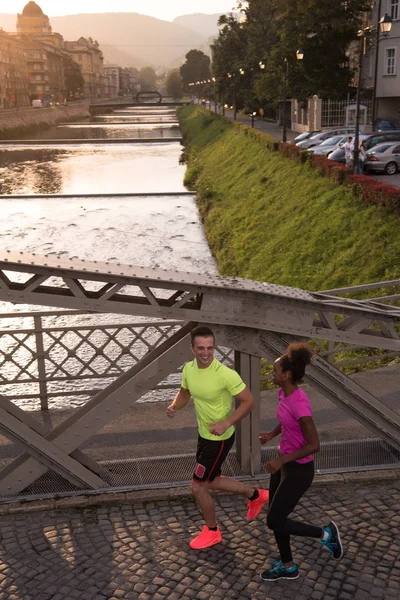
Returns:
point(295, 480)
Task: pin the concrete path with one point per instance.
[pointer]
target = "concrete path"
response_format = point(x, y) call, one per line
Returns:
point(139, 551)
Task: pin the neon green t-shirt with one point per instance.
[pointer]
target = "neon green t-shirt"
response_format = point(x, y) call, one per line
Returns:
point(212, 390)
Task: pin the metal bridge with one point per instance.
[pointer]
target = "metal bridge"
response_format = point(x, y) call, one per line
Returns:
point(255, 319)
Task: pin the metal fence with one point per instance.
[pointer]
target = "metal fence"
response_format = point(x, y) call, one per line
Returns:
point(60, 359)
point(333, 112)
point(64, 357)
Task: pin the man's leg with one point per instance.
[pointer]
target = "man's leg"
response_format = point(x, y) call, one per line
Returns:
point(206, 502)
point(228, 484)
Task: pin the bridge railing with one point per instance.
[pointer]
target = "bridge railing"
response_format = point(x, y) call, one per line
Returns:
point(62, 358)
point(67, 356)
point(349, 357)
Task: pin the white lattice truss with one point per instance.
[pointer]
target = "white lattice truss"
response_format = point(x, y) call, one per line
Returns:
point(256, 319)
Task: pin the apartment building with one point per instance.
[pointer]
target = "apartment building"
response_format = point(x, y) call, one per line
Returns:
point(14, 90)
point(86, 52)
point(384, 57)
point(44, 51)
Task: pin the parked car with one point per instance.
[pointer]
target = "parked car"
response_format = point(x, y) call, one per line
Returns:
point(318, 138)
point(37, 103)
point(384, 157)
point(371, 140)
point(329, 145)
point(337, 155)
point(386, 124)
point(376, 138)
point(305, 135)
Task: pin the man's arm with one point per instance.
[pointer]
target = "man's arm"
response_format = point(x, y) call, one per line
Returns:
point(180, 400)
point(247, 403)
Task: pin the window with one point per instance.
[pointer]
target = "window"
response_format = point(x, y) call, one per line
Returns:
point(394, 11)
point(390, 61)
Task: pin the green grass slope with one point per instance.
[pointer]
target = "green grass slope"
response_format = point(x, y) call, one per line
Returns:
point(271, 219)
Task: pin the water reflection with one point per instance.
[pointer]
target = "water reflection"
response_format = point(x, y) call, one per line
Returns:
point(91, 169)
point(89, 131)
point(30, 172)
point(118, 118)
point(154, 231)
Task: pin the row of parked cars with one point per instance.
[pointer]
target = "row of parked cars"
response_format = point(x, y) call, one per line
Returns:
point(382, 147)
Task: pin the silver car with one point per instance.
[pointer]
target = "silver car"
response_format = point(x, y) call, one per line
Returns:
point(384, 157)
point(318, 138)
point(332, 144)
point(329, 145)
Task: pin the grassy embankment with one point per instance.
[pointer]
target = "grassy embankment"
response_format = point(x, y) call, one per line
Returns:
point(268, 218)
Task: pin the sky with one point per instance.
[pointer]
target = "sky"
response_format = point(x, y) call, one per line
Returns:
point(161, 9)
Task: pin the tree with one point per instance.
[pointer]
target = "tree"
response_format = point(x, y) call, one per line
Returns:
point(196, 68)
point(174, 84)
point(272, 31)
point(74, 81)
point(147, 79)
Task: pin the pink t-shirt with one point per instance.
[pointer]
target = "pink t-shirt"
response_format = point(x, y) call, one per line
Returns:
point(290, 409)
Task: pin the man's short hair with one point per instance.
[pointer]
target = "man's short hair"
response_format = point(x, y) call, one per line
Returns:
point(201, 332)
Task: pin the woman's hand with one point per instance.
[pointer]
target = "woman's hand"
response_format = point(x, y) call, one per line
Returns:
point(274, 465)
point(266, 437)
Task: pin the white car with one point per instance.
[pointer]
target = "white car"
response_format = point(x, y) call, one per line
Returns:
point(318, 138)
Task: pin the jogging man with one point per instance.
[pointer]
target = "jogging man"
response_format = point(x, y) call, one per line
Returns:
point(212, 386)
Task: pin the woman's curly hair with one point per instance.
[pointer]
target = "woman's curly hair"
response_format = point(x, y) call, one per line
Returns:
point(297, 357)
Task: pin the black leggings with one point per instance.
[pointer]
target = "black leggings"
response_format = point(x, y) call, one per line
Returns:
point(286, 487)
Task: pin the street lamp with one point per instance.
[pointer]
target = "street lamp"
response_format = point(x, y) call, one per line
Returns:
point(385, 26)
point(299, 56)
point(233, 76)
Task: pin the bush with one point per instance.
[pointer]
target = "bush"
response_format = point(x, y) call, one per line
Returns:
point(374, 192)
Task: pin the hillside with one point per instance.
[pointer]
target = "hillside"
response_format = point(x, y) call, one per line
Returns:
point(205, 25)
point(127, 38)
point(268, 218)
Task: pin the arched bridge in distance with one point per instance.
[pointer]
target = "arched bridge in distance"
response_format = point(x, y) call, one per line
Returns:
point(255, 319)
point(146, 98)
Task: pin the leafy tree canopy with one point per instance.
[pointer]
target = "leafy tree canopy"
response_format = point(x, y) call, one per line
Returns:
point(73, 76)
point(147, 79)
point(270, 33)
point(197, 67)
point(174, 84)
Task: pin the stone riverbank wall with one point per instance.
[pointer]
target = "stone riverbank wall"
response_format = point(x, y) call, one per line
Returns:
point(25, 120)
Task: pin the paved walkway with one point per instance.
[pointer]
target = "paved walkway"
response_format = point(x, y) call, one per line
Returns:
point(140, 551)
point(272, 129)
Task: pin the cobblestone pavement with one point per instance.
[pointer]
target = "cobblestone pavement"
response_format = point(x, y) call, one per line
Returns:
point(140, 551)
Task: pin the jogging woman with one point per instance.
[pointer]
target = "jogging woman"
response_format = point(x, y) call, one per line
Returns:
point(292, 471)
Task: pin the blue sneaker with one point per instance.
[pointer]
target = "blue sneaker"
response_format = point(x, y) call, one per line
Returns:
point(333, 543)
point(280, 572)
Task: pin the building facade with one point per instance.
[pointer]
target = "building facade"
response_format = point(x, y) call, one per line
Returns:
point(45, 51)
point(89, 57)
point(14, 91)
point(384, 58)
point(113, 76)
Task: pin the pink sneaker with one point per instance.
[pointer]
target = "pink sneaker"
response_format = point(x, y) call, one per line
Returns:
point(206, 539)
point(254, 506)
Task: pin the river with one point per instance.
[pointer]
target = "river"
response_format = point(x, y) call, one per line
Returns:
point(156, 230)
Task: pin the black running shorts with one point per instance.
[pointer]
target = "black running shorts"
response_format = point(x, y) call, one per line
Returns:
point(210, 457)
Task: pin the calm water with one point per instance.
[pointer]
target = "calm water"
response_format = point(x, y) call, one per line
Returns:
point(88, 131)
point(91, 169)
point(155, 231)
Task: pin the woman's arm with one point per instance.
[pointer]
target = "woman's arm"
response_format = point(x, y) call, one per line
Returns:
point(270, 435)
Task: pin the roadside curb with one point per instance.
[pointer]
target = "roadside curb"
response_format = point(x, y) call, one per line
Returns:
point(155, 495)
